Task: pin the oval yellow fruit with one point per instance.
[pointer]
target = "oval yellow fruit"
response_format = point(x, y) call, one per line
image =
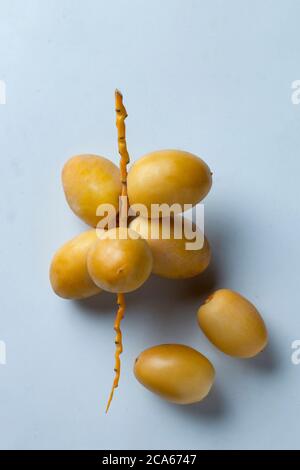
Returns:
point(233, 324)
point(171, 257)
point(69, 276)
point(88, 181)
point(175, 372)
point(120, 261)
point(168, 177)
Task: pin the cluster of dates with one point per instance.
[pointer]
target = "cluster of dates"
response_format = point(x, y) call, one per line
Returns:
point(120, 260)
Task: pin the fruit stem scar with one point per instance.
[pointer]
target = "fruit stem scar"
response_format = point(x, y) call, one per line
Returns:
point(209, 298)
point(121, 115)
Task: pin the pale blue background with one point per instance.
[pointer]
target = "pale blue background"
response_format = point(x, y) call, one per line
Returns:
point(212, 77)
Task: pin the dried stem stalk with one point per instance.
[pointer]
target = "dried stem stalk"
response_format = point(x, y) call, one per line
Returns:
point(121, 115)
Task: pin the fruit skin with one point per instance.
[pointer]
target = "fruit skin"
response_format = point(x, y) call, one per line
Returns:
point(88, 181)
point(69, 276)
point(171, 259)
point(175, 372)
point(168, 176)
point(233, 324)
point(120, 265)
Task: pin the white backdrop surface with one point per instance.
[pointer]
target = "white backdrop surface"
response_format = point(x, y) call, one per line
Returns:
point(212, 77)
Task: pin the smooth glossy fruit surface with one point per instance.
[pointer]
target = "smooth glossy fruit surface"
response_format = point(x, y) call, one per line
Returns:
point(233, 324)
point(69, 276)
point(171, 258)
point(120, 261)
point(175, 372)
point(88, 181)
point(168, 177)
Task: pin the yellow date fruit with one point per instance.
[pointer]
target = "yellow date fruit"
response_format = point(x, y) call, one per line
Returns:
point(88, 181)
point(120, 261)
point(69, 276)
point(175, 372)
point(168, 177)
point(233, 324)
point(171, 257)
